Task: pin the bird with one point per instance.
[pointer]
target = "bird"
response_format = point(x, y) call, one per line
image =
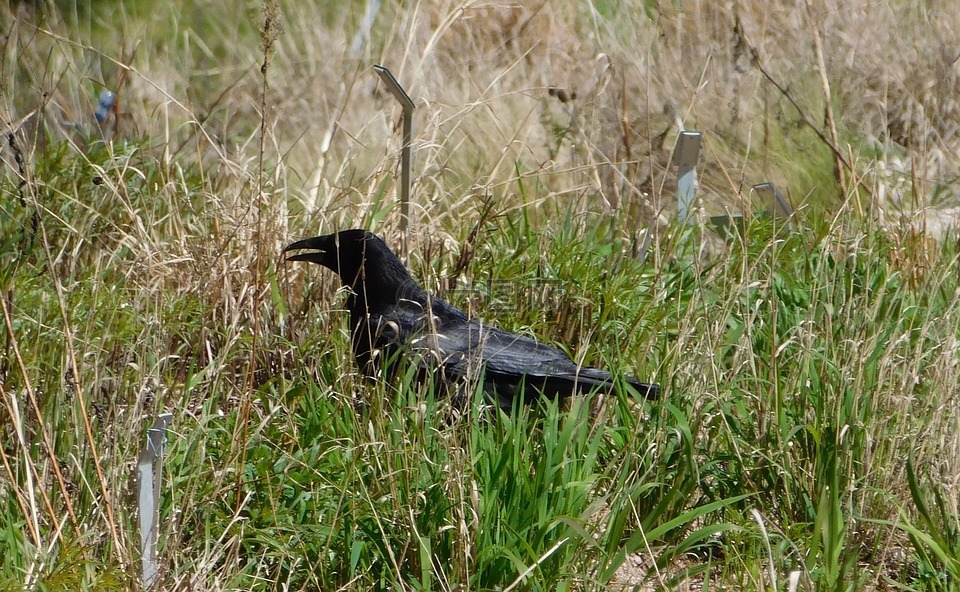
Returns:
point(392, 315)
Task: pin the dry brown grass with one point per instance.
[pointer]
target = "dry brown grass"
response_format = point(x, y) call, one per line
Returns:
point(480, 73)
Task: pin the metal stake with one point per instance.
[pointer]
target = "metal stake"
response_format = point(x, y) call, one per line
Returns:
point(148, 496)
point(685, 156)
point(777, 205)
point(406, 158)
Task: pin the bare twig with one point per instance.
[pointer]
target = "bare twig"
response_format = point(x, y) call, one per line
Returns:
point(839, 158)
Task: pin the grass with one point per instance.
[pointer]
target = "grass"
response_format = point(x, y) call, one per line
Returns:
point(808, 430)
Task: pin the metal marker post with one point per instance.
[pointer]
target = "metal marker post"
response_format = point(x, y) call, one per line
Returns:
point(148, 496)
point(406, 159)
point(685, 157)
point(777, 205)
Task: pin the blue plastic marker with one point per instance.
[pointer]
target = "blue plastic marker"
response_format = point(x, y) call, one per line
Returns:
point(105, 105)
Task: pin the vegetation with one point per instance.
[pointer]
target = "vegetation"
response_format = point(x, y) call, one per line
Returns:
point(808, 432)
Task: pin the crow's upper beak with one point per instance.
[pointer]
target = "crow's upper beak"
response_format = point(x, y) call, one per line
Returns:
point(322, 250)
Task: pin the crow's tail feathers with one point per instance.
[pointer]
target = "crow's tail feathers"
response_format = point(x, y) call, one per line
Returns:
point(603, 380)
point(645, 389)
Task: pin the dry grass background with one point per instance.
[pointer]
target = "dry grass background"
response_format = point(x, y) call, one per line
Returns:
point(207, 221)
point(480, 73)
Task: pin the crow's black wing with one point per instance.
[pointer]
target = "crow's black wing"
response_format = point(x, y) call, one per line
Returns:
point(501, 351)
point(507, 360)
point(468, 350)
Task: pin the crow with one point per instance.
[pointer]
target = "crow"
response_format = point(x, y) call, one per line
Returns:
point(391, 314)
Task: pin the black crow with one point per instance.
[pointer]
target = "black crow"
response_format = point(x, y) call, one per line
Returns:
point(390, 313)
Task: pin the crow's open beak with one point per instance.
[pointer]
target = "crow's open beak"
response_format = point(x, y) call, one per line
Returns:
point(322, 249)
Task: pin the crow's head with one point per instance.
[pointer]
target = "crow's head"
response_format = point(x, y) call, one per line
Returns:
point(362, 260)
point(347, 253)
